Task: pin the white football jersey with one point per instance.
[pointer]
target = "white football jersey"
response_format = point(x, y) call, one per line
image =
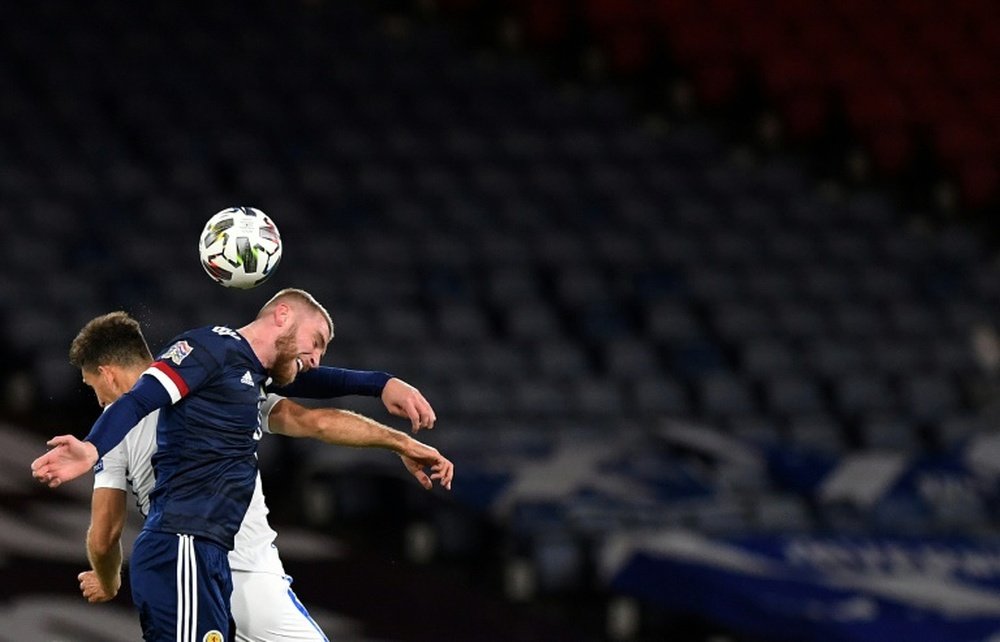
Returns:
point(128, 466)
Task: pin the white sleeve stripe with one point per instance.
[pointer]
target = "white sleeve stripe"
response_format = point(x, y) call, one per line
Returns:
point(168, 385)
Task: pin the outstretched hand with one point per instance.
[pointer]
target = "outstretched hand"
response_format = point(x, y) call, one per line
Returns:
point(403, 400)
point(68, 459)
point(418, 456)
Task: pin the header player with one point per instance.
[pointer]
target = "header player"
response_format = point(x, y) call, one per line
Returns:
point(112, 354)
point(208, 385)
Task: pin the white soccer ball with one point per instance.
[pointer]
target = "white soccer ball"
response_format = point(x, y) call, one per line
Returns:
point(240, 247)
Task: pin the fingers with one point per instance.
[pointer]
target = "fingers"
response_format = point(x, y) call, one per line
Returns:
point(58, 440)
point(404, 400)
point(420, 413)
point(427, 416)
point(42, 470)
point(410, 409)
point(444, 471)
point(424, 480)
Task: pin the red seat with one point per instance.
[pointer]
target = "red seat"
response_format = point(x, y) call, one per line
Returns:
point(545, 23)
point(805, 114)
point(979, 182)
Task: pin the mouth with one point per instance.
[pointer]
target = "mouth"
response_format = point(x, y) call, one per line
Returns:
point(298, 364)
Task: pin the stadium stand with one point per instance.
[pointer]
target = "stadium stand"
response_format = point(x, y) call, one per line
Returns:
point(657, 360)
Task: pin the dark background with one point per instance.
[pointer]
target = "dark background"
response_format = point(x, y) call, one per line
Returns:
point(556, 218)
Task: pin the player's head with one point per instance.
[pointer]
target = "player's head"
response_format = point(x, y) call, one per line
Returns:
point(110, 350)
point(306, 329)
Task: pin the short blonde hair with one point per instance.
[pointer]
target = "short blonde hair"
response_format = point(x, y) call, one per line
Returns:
point(301, 297)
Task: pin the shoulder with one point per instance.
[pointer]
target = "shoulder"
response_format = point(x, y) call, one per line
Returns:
point(213, 340)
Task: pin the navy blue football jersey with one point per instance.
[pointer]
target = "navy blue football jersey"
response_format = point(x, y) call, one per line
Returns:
point(206, 440)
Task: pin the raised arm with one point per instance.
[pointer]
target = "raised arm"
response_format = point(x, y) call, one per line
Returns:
point(70, 457)
point(400, 398)
point(104, 545)
point(346, 428)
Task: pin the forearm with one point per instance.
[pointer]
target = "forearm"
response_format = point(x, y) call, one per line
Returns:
point(106, 560)
point(345, 428)
point(326, 382)
point(112, 426)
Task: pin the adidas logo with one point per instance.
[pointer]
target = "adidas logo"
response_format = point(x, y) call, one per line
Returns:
point(247, 378)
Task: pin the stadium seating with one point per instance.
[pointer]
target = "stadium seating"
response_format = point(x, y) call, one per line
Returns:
point(532, 258)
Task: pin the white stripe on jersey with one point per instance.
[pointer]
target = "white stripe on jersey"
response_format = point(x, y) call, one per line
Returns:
point(168, 385)
point(187, 590)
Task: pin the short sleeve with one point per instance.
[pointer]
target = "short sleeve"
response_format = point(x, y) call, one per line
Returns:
point(265, 410)
point(111, 470)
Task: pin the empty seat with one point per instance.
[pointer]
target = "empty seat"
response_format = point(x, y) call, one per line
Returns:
point(532, 321)
point(756, 429)
point(596, 397)
point(832, 358)
point(787, 395)
point(734, 248)
point(660, 396)
point(911, 319)
point(959, 428)
point(538, 397)
point(443, 361)
point(402, 324)
point(826, 283)
point(713, 285)
point(796, 248)
point(671, 321)
point(471, 397)
point(897, 356)
point(740, 322)
point(817, 432)
point(929, 397)
point(724, 394)
point(858, 393)
point(619, 249)
point(511, 285)
point(462, 321)
point(800, 320)
point(694, 358)
point(499, 361)
point(781, 513)
point(769, 285)
point(858, 320)
point(559, 358)
point(768, 357)
point(889, 432)
point(883, 283)
point(631, 358)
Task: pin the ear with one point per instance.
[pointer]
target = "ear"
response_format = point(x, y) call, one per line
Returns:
point(107, 374)
point(282, 314)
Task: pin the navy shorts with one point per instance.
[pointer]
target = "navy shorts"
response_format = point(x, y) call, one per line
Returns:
point(181, 585)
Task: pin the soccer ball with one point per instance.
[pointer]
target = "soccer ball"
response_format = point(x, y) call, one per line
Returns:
point(240, 247)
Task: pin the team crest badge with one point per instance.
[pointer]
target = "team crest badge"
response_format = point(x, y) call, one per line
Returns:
point(178, 352)
point(212, 636)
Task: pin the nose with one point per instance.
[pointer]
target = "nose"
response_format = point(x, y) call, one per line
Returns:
point(309, 360)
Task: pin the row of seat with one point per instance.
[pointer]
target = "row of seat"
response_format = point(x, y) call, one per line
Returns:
point(902, 80)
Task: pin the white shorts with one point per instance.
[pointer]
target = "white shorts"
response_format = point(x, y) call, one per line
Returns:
point(266, 610)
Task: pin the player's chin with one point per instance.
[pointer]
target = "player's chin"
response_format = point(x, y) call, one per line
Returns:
point(284, 372)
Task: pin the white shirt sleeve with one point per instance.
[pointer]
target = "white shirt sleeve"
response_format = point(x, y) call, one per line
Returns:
point(265, 410)
point(112, 469)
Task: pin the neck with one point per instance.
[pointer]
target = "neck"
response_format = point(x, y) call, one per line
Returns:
point(260, 342)
point(129, 377)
